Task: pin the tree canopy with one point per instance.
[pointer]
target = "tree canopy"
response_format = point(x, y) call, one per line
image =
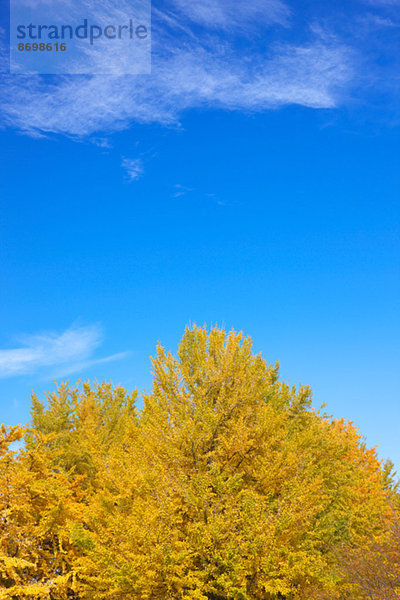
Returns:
point(223, 483)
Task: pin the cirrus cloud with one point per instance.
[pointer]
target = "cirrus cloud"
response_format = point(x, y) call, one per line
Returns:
point(234, 14)
point(311, 75)
point(68, 352)
point(133, 167)
point(221, 67)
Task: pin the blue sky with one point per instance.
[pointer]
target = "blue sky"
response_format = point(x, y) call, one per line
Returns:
point(252, 181)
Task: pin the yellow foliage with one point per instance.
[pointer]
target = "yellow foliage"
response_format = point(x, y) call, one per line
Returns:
point(226, 485)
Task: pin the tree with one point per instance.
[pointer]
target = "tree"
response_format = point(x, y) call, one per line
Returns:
point(375, 574)
point(228, 484)
point(46, 487)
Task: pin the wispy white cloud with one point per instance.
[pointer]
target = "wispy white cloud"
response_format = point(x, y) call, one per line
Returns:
point(388, 3)
point(101, 142)
point(181, 190)
point(133, 167)
point(68, 352)
point(189, 71)
point(312, 75)
point(4, 58)
point(81, 366)
point(376, 22)
point(234, 14)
